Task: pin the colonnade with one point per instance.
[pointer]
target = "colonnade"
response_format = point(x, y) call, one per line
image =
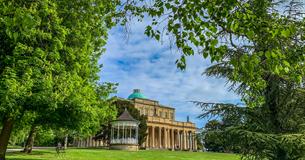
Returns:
point(88, 142)
point(158, 137)
point(170, 138)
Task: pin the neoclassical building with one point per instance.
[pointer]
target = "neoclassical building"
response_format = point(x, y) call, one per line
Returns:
point(164, 132)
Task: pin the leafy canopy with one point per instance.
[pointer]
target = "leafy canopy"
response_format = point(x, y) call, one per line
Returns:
point(254, 37)
point(49, 52)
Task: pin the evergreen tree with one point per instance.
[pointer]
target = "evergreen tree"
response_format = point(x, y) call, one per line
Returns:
point(261, 42)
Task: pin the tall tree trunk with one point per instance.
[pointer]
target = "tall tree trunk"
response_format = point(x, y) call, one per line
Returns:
point(272, 102)
point(5, 136)
point(30, 141)
point(66, 142)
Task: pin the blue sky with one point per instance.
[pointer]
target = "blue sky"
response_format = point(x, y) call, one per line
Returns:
point(143, 63)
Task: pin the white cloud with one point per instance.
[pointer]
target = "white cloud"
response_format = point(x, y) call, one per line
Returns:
point(146, 64)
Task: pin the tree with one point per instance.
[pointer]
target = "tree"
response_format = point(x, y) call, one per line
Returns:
point(257, 129)
point(262, 44)
point(214, 136)
point(49, 55)
point(253, 36)
point(75, 123)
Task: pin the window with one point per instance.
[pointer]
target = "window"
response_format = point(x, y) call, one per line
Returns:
point(171, 116)
point(152, 112)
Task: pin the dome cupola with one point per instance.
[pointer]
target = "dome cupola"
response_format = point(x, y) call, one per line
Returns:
point(136, 94)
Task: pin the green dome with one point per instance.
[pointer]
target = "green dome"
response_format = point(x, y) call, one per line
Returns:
point(136, 94)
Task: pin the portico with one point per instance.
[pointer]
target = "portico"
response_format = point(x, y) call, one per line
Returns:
point(163, 131)
point(170, 137)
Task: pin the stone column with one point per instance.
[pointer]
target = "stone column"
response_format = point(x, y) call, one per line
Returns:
point(194, 141)
point(187, 140)
point(118, 133)
point(165, 138)
point(176, 138)
point(191, 141)
point(184, 140)
point(149, 141)
point(179, 141)
point(168, 138)
point(152, 136)
point(147, 138)
point(160, 142)
point(173, 140)
point(137, 135)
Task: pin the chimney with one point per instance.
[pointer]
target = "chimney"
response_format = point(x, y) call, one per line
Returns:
point(136, 91)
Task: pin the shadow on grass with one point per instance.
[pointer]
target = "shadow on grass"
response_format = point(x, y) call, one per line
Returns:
point(90, 148)
point(33, 153)
point(25, 156)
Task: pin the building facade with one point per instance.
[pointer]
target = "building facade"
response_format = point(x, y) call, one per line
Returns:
point(164, 132)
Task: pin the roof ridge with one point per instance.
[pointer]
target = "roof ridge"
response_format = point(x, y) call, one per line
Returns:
point(125, 116)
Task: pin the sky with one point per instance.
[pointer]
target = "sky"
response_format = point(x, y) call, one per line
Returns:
point(138, 62)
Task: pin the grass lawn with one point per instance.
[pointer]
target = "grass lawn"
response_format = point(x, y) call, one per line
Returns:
point(100, 154)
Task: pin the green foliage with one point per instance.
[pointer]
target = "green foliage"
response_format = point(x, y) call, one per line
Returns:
point(268, 146)
point(49, 52)
point(260, 49)
point(214, 141)
point(45, 137)
point(215, 137)
point(254, 37)
point(263, 132)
